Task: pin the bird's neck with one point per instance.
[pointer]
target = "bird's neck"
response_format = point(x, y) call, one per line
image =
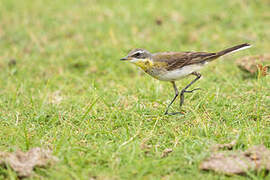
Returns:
point(148, 64)
point(144, 63)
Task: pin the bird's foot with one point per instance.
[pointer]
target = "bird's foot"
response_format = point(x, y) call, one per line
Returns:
point(174, 113)
point(191, 91)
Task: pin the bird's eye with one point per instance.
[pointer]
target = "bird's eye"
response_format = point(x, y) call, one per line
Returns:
point(137, 54)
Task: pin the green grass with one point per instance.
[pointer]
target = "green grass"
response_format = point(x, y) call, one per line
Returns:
point(69, 92)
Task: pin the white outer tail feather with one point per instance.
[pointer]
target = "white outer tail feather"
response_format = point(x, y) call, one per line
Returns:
point(242, 48)
point(246, 47)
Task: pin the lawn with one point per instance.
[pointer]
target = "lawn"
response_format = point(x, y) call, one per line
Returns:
point(63, 87)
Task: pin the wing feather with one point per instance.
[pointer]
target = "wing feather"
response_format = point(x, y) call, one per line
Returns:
point(176, 60)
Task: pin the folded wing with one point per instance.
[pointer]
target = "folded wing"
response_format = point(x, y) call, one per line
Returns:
point(176, 60)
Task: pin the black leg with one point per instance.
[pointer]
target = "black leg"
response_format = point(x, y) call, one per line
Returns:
point(175, 96)
point(198, 76)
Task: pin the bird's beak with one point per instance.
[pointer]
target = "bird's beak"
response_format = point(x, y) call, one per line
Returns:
point(124, 58)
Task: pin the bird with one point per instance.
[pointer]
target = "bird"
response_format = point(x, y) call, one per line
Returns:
point(173, 66)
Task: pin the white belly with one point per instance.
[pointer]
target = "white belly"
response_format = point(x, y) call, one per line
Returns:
point(179, 73)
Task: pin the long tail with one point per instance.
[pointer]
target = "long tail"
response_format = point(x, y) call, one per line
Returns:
point(229, 50)
point(234, 49)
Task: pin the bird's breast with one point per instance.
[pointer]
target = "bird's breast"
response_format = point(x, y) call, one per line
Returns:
point(155, 72)
point(173, 75)
point(158, 70)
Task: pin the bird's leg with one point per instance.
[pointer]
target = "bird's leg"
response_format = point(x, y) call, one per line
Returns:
point(198, 76)
point(175, 96)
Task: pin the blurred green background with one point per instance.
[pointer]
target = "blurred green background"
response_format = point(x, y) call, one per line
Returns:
point(62, 85)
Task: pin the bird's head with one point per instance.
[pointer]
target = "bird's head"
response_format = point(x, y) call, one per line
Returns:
point(140, 57)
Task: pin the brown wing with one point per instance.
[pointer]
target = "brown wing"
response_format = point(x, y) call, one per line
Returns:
point(176, 60)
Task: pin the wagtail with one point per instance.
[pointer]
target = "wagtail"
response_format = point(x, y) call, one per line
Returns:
point(172, 66)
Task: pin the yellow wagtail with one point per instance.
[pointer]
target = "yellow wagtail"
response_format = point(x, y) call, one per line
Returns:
point(172, 66)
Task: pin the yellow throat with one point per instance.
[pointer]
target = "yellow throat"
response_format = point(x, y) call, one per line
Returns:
point(147, 64)
point(144, 63)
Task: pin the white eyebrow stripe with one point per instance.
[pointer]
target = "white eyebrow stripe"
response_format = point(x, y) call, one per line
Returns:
point(139, 51)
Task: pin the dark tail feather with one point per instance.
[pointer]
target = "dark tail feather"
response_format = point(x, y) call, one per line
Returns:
point(234, 49)
point(229, 50)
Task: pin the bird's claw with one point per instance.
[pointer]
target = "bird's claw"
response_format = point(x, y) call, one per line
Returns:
point(174, 113)
point(191, 90)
